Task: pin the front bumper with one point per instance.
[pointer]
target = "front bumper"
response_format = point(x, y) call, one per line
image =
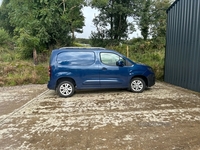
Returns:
point(151, 80)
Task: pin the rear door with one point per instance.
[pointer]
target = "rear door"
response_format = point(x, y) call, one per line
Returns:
point(111, 75)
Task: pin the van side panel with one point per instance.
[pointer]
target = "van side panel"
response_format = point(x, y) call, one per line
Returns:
point(79, 66)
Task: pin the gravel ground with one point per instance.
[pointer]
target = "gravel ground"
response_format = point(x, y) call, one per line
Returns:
point(13, 97)
point(162, 117)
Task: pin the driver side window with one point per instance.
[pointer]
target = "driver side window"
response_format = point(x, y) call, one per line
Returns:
point(110, 59)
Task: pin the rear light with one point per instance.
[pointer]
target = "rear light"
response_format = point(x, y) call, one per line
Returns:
point(49, 71)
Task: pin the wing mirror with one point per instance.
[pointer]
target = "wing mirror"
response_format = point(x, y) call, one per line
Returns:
point(120, 63)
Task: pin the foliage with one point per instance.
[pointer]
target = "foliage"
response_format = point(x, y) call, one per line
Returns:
point(158, 27)
point(8, 55)
point(145, 18)
point(82, 41)
point(26, 43)
point(45, 24)
point(6, 46)
point(111, 23)
point(151, 17)
point(98, 40)
point(4, 17)
point(4, 37)
point(155, 59)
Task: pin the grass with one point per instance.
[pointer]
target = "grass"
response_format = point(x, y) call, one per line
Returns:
point(22, 72)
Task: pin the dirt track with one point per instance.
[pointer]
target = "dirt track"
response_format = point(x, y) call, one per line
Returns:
point(163, 117)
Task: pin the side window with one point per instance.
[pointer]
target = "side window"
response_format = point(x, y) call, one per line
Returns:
point(110, 58)
point(76, 58)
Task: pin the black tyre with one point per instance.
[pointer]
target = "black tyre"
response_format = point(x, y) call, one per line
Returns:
point(65, 89)
point(137, 85)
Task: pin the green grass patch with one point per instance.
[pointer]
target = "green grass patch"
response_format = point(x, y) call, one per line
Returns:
point(23, 72)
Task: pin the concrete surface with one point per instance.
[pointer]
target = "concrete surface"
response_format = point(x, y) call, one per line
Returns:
point(162, 117)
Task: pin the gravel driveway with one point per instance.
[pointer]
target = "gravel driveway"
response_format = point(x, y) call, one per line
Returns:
point(162, 117)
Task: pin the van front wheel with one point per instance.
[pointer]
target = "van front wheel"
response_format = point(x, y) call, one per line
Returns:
point(137, 85)
point(65, 89)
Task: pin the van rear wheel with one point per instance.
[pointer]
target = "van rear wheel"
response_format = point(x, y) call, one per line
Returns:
point(65, 89)
point(137, 85)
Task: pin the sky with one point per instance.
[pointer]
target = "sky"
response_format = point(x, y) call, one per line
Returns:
point(89, 14)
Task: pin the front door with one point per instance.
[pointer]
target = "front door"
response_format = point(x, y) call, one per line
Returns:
point(111, 75)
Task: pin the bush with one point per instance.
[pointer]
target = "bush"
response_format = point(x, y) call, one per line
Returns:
point(4, 37)
point(6, 44)
point(155, 59)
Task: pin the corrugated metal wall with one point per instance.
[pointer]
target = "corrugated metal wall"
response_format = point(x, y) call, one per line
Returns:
point(182, 56)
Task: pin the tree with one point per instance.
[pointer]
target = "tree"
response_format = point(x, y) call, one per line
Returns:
point(112, 21)
point(145, 18)
point(49, 22)
point(152, 17)
point(158, 25)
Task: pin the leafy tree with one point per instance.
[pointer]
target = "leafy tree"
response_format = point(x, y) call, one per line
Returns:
point(158, 25)
point(51, 21)
point(145, 18)
point(159, 22)
point(44, 23)
point(152, 17)
point(112, 21)
point(26, 43)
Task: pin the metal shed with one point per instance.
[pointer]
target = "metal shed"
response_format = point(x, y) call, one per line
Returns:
point(182, 56)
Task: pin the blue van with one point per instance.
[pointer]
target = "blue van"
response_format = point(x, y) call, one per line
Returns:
point(72, 68)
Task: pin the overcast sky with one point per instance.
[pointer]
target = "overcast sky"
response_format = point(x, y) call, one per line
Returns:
point(89, 14)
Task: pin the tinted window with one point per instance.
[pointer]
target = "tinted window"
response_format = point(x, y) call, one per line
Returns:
point(110, 59)
point(76, 58)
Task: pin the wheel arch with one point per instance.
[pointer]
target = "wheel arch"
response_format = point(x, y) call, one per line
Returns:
point(65, 79)
point(142, 77)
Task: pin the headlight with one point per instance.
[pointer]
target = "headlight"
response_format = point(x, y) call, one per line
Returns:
point(150, 69)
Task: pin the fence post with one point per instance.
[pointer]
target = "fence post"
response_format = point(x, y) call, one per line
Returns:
point(35, 58)
point(127, 52)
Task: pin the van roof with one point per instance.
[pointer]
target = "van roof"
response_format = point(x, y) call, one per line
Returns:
point(82, 48)
point(76, 49)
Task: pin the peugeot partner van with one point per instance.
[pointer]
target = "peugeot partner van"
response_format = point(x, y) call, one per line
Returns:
point(73, 68)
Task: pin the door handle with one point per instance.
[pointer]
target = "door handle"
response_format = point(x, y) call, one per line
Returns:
point(104, 68)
